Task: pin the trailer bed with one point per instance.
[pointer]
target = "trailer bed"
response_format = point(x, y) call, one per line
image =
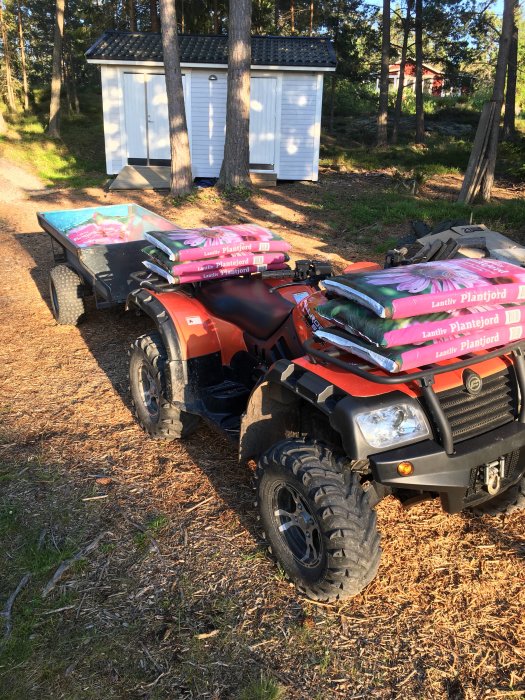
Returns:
point(107, 267)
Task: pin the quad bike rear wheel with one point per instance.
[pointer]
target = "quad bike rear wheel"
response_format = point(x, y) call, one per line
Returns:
point(66, 290)
point(147, 383)
point(317, 520)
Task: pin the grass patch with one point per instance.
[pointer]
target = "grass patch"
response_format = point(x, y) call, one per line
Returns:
point(367, 213)
point(153, 527)
point(439, 157)
point(264, 688)
point(237, 194)
point(74, 160)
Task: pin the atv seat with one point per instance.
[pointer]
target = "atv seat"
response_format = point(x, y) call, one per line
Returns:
point(247, 303)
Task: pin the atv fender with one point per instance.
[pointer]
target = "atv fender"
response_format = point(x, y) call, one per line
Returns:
point(191, 340)
point(272, 413)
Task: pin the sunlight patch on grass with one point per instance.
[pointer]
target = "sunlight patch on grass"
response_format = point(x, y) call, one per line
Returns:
point(369, 212)
point(74, 160)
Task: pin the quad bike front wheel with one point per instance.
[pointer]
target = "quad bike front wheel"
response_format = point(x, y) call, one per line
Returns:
point(317, 520)
point(66, 290)
point(147, 383)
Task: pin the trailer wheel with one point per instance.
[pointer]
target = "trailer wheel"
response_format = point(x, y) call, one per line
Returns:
point(317, 520)
point(66, 290)
point(147, 383)
point(504, 503)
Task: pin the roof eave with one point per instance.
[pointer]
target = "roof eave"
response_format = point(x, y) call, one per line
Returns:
point(215, 66)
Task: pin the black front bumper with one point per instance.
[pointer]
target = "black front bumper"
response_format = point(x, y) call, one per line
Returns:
point(450, 475)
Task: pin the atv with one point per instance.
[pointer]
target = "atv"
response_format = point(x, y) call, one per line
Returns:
point(330, 435)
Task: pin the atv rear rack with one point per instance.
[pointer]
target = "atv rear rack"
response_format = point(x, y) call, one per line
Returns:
point(425, 379)
point(306, 271)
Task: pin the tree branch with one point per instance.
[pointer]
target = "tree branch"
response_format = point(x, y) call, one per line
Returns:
point(6, 612)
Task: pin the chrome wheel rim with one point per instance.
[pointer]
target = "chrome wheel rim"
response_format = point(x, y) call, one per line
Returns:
point(297, 526)
point(149, 391)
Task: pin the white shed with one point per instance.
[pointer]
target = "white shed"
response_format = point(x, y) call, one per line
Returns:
point(286, 99)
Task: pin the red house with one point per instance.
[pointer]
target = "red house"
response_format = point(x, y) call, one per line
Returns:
point(433, 79)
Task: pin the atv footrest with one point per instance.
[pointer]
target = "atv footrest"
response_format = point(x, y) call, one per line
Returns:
point(228, 398)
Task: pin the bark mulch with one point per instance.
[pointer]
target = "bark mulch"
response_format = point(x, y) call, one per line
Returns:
point(167, 591)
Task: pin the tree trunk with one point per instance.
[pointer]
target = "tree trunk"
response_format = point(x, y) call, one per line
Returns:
point(132, 15)
point(215, 17)
point(67, 85)
point(420, 110)
point(332, 103)
point(311, 17)
point(337, 29)
point(181, 178)
point(235, 170)
point(497, 97)
point(182, 17)
point(23, 60)
point(292, 16)
point(509, 118)
point(10, 93)
point(56, 77)
point(154, 16)
point(382, 117)
point(401, 84)
point(276, 16)
point(3, 127)
point(74, 94)
point(70, 82)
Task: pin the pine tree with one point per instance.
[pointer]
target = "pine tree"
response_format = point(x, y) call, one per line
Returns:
point(181, 177)
point(382, 117)
point(56, 77)
point(236, 162)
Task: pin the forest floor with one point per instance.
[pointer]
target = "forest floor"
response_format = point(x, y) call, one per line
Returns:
point(177, 598)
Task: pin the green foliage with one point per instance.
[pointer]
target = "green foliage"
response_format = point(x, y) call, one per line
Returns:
point(511, 158)
point(520, 88)
point(350, 98)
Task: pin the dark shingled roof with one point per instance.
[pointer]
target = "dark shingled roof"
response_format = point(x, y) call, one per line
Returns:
point(308, 52)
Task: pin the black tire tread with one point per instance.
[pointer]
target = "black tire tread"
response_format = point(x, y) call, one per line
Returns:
point(351, 536)
point(173, 424)
point(69, 294)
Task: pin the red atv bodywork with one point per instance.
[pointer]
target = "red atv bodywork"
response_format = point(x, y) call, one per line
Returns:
point(236, 358)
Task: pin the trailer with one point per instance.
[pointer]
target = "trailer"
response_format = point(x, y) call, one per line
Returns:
point(98, 251)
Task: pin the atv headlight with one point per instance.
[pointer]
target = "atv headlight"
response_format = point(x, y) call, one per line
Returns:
point(399, 423)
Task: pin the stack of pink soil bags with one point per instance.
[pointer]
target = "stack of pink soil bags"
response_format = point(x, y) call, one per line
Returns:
point(407, 317)
point(196, 255)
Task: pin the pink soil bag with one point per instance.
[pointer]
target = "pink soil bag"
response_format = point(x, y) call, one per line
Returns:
point(414, 290)
point(388, 332)
point(211, 274)
point(199, 244)
point(408, 357)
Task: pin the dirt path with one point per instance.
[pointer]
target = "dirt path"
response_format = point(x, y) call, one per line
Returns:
point(179, 600)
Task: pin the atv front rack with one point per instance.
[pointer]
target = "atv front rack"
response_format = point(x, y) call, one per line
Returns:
point(425, 379)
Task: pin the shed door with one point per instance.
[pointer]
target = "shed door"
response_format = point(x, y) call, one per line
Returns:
point(135, 116)
point(262, 122)
point(146, 112)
